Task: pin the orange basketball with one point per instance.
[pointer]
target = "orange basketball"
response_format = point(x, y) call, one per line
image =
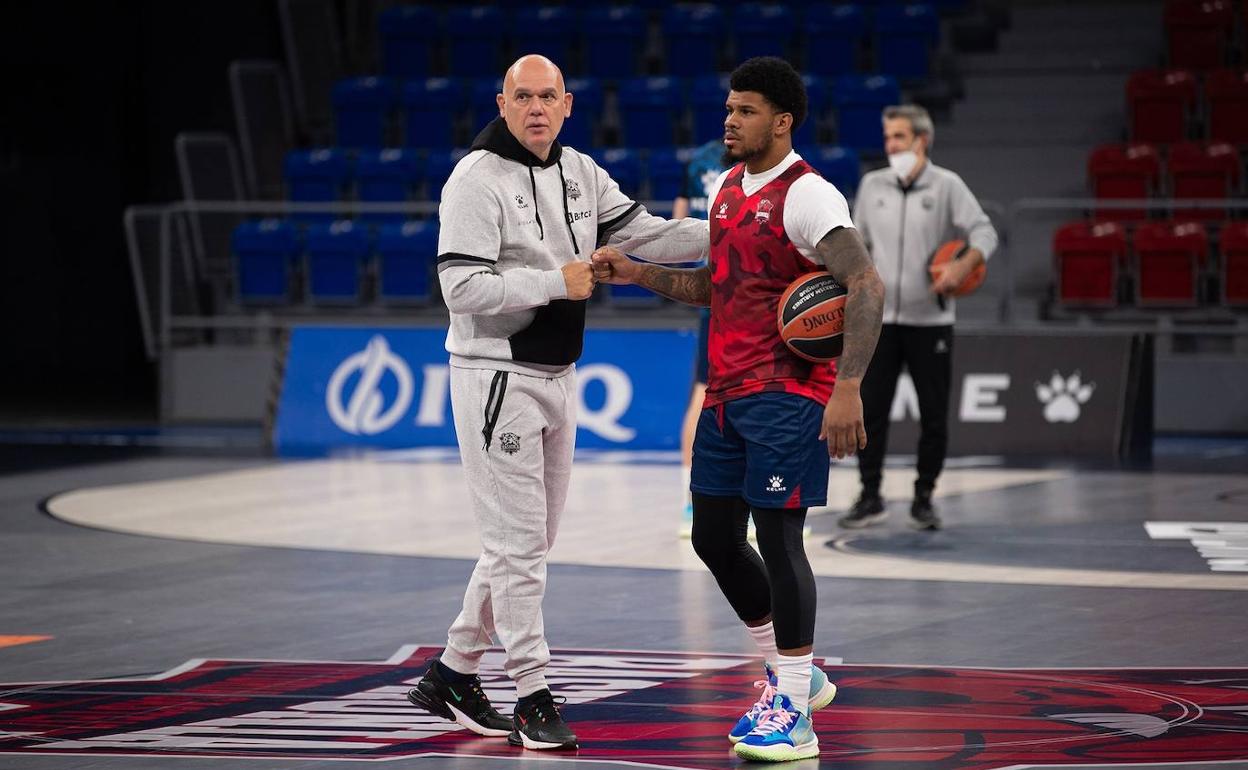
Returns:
point(955, 250)
point(811, 317)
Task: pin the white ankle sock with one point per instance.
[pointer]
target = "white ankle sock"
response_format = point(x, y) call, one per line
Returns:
point(793, 680)
point(765, 637)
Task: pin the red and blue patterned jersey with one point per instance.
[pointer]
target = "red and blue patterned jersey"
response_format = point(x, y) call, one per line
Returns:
point(752, 262)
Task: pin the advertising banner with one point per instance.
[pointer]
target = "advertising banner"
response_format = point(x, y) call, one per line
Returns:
point(1011, 394)
point(1038, 394)
point(390, 388)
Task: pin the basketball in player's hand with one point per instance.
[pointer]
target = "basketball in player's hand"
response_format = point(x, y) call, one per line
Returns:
point(811, 317)
point(956, 250)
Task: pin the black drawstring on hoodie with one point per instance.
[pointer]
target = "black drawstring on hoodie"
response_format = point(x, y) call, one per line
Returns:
point(567, 215)
point(537, 212)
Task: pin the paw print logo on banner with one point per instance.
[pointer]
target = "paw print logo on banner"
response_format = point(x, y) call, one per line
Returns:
point(1063, 397)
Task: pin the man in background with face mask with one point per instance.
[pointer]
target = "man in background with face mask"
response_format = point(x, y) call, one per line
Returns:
point(904, 213)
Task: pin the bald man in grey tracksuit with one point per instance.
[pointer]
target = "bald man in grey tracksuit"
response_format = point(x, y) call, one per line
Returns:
point(905, 213)
point(521, 215)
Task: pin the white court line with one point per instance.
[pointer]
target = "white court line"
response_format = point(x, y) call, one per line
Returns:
point(617, 516)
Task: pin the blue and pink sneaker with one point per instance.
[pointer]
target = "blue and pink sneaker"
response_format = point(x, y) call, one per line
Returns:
point(822, 691)
point(783, 734)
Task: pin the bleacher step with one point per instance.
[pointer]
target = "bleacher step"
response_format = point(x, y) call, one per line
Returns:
point(1040, 86)
point(1041, 62)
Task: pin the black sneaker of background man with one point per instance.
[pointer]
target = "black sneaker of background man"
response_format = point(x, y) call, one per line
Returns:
point(923, 514)
point(538, 724)
point(868, 511)
point(459, 698)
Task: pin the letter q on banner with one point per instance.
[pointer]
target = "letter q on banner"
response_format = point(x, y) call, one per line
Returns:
point(606, 420)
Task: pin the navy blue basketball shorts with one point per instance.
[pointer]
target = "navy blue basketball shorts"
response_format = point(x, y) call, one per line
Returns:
point(764, 448)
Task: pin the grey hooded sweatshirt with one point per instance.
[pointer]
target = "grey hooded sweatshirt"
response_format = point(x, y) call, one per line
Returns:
point(509, 222)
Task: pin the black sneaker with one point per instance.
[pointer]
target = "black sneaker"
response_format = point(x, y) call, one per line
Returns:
point(538, 724)
point(461, 702)
point(868, 511)
point(923, 515)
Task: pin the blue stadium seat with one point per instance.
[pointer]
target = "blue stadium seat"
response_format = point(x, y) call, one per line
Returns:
point(706, 97)
point(387, 176)
point(316, 176)
point(838, 165)
point(362, 109)
point(264, 253)
point(578, 130)
point(693, 35)
point(405, 257)
point(613, 36)
point(429, 108)
point(474, 37)
point(545, 29)
point(482, 102)
point(763, 29)
point(859, 101)
point(648, 110)
point(336, 254)
point(407, 35)
point(904, 38)
point(624, 166)
point(438, 169)
point(834, 34)
point(667, 174)
point(817, 105)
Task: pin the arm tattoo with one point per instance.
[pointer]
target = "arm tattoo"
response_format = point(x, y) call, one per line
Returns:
point(692, 287)
point(846, 258)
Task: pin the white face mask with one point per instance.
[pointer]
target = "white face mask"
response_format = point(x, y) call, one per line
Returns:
point(903, 163)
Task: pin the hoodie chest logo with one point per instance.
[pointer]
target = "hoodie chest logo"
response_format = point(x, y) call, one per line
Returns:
point(574, 189)
point(520, 202)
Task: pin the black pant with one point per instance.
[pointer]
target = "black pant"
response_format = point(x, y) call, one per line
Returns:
point(927, 352)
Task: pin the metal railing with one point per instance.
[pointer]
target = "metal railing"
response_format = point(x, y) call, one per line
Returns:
point(175, 264)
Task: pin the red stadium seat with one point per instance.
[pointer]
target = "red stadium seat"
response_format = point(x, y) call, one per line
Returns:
point(1199, 32)
point(1087, 259)
point(1203, 171)
point(1169, 257)
point(1160, 101)
point(1235, 264)
point(1118, 171)
point(1227, 94)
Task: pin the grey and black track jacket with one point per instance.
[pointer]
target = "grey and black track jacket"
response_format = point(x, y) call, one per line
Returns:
point(903, 227)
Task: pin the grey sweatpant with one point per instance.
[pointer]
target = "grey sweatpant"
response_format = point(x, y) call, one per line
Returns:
point(518, 487)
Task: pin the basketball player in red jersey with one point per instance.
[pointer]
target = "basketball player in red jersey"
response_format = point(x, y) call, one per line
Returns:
point(768, 414)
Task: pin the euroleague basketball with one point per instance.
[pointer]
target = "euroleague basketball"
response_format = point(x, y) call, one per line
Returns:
point(955, 250)
point(811, 317)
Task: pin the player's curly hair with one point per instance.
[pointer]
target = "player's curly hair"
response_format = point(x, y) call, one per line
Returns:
point(777, 81)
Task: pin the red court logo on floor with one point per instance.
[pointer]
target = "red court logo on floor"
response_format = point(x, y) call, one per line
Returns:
point(659, 709)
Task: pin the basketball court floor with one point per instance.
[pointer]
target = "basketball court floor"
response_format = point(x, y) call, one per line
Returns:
point(205, 610)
